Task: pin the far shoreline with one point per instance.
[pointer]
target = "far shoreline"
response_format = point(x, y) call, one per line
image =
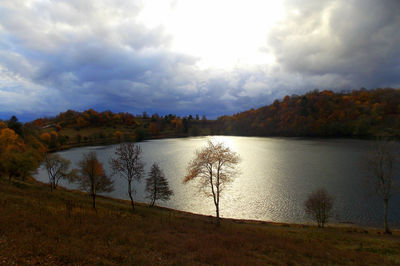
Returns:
point(109, 143)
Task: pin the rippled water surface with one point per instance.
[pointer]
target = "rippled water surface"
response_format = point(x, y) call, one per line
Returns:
point(276, 174)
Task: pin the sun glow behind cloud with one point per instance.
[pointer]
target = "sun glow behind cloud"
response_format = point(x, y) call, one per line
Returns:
point(222, 34)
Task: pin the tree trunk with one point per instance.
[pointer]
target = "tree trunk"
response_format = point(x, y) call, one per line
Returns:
point(217, 211)
point(94, 201)
point(385, 206)
point(132, 204)
point(130, 196)
point(153, 200)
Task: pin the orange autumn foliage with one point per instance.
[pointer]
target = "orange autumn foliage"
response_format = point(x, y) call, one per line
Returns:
point(18, 157)
point(326, 114)
point(45, 137)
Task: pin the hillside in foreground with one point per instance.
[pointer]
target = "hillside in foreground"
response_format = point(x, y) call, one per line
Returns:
point(42, 227)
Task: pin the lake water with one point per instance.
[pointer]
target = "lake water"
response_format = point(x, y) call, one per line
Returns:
point(276, 175)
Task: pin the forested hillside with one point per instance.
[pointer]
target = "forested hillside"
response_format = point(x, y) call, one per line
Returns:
point(359, 113)
point(73, 128)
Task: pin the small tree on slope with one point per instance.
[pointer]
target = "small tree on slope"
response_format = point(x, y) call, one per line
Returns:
point(157, 187)
point(92, 177)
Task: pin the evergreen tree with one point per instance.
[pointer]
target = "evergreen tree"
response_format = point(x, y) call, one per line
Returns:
point(15, 125)
point(157, 187)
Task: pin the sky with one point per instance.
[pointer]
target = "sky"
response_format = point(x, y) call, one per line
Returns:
point(209, 57)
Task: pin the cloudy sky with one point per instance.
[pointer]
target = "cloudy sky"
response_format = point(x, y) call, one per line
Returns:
point(211, 57)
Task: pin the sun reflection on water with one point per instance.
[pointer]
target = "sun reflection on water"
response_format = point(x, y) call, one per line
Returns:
point(226, 141)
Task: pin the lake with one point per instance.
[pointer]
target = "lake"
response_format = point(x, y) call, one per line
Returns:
point(276, 175)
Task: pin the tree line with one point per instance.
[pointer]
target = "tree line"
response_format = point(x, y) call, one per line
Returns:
point(92, 178)
point(357, 113)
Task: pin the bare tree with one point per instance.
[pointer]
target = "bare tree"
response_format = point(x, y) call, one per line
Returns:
point(318, 206)
point(128, 165)
point(157, 187)
point(92, 177)
point(57, 168)
point(214, 166)
point(382, 165)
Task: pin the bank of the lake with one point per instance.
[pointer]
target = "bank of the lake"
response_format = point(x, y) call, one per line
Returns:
point(42, 227)
point(276, 176)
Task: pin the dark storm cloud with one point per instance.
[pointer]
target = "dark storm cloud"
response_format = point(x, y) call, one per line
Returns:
point(58, 55)
point(356, 41)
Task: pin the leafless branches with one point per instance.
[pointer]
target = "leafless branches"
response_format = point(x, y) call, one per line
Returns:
point(128, 165)
point(214, 167)
point(318, 206)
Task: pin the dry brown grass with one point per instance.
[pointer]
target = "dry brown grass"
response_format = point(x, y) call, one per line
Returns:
point(42, 227)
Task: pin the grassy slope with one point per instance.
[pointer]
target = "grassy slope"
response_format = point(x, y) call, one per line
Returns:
point(35, 227)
